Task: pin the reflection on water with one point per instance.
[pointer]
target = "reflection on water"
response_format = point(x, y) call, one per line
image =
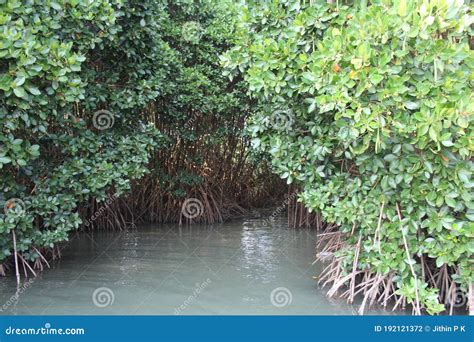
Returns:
point(230, 268)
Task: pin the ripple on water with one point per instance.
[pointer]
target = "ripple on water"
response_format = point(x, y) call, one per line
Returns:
point(230, 268)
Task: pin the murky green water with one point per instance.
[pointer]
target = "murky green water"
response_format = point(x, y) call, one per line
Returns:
point(233, 268)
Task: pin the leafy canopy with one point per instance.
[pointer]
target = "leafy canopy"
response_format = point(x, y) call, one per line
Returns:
point(369, 109)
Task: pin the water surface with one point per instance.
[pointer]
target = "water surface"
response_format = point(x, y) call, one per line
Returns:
point(242, 267)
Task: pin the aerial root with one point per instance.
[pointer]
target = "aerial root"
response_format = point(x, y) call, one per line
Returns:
point(378, 288)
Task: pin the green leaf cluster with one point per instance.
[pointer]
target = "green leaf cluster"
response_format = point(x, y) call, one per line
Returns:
point(380, 100)
point(52, 157)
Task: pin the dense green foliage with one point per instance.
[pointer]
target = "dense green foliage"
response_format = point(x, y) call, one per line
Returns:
point(366, 107)
point(369, 109)
point(200, 110)
point(93, 95)
point(50, 159)
point(53, 155)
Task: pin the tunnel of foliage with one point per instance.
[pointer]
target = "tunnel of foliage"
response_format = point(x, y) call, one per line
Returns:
point(96, 95)
point(368, 107)
point(123, 108)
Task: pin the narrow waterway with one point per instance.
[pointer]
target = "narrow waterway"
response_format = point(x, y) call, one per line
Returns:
point(242, 267)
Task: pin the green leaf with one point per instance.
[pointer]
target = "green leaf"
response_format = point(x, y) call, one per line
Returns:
point(402, 8)
point(440, 261)
point(450, 201)
point(411, 105)
point(433, 134)
point(376, 78)
point(5, 160)
point(56, 6)
point(21, 162)
point(5, 82)
point(33, 90)
point(20, 92)
point(19, 81)
point(464, 175)
point(357, 62)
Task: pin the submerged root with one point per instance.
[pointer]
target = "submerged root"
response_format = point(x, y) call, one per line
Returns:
point(22, 264)
point(375, 288)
